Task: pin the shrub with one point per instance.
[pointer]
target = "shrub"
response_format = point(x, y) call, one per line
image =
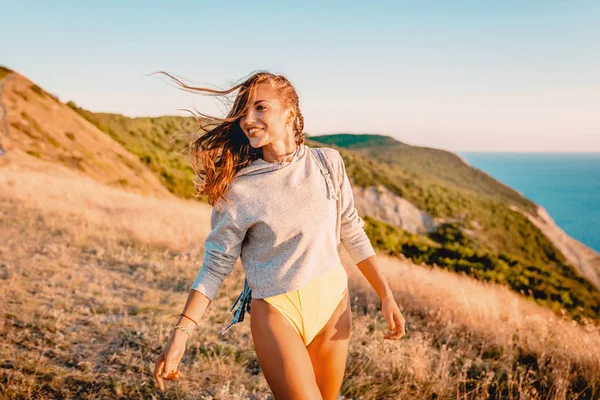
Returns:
point(555, 286)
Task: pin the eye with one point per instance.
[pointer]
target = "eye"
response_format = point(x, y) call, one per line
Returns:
point(258, 107)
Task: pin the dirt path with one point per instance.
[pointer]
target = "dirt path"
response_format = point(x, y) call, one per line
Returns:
point(3, 121)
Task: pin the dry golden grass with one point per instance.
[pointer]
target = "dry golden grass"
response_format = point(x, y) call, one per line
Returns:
point(92, 279)
point(44, 129)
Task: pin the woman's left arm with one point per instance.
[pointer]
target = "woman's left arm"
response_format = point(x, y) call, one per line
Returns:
point(358, 245)
point(389, 308)
point(370, 270)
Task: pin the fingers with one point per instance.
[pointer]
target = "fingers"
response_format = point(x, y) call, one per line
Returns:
point(162, 373)
point(398, 330)
point(170, 370)
point(157, 373)
point(173, 375)
point(391, 322)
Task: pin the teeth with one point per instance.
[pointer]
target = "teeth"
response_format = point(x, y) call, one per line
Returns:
point(253, 130)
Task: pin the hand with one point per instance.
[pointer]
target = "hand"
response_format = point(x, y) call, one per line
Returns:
point(394, 318)
point(167, 362)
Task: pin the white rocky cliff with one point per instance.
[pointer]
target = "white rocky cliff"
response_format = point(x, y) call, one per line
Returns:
point(382, 204)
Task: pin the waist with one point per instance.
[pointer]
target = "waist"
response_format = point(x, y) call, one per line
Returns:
point(279, 285)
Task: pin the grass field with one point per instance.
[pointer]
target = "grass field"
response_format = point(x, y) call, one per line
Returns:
point(92, 279)
point(513, 251)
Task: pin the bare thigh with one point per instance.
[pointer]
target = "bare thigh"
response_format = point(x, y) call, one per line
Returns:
point(281, 354)
point(328, 351)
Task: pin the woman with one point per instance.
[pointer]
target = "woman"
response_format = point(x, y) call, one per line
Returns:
point(273, 209)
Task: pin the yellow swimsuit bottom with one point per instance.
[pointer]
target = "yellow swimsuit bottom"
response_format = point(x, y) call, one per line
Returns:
point(309, 308)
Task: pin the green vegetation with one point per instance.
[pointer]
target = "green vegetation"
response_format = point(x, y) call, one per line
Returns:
point(33, 122)
point(149, 139)
point(33, 153)
point(494, 226)
point(42, 93)
point(4, 72)
point(21, 95)
point(38, 90)
point(489, 240)
point(481, 235)
point(354, 141)
point(425, 167)
point(72, 161)
point(554, 286)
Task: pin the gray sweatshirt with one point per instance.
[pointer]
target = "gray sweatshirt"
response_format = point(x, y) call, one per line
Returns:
point(282, 224)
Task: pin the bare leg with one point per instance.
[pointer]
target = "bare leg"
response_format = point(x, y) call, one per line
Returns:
point(329, 350)
point(281, 354)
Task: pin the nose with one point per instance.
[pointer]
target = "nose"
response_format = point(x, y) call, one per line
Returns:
point(249, 118)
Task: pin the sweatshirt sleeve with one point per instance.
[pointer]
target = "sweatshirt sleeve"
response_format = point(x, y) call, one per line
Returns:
point(222, 249)
point(352, 232)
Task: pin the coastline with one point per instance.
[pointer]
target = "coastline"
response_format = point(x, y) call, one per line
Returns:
point(581, 257)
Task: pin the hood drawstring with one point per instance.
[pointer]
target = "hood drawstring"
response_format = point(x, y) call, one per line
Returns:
point(260, 166)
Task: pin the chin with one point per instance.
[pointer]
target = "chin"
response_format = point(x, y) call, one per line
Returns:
point(256, 143)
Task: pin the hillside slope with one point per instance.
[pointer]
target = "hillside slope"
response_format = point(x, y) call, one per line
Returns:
point(115, 269)
point(467, 231)
point(160, 143)
point(428, 166)
point(432, 215)
point(41, 133)
point(443, 184)
point(480, 227)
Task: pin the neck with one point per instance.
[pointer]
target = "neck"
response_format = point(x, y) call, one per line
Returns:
point(274, 153)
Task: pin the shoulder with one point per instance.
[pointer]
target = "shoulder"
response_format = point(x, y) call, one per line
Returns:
point(328, 151)
point(230, 201)
point(332, 155)
point(334, 158)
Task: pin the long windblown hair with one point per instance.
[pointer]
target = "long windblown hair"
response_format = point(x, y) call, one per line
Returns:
point(220, 151)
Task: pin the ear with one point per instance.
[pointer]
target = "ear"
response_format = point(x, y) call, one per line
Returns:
point(291, 116)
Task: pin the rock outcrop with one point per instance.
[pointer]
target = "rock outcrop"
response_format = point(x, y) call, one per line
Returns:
point(382, 204)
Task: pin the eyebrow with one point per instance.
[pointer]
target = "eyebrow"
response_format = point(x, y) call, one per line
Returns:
point(258, 101)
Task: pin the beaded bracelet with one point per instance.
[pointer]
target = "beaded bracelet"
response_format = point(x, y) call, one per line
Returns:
point(184, 329)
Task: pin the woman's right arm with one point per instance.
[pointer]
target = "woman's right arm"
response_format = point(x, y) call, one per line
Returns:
point(168, 361)
point(222, 249)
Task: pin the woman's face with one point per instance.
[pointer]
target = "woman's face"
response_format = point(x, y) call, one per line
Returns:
point(266, 119)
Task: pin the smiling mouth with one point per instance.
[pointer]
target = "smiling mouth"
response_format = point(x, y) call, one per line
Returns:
point(255, 132)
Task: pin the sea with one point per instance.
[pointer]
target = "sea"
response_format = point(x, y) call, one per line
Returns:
point(567, 185)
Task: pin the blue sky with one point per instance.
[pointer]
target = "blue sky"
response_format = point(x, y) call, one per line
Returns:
point(457, 75)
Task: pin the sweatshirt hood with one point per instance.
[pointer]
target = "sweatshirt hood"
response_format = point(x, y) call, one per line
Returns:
point(260, 166)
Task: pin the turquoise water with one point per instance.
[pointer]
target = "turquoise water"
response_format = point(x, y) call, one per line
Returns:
point(567, 185)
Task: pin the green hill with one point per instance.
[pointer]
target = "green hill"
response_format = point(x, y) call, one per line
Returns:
point(428, 166)
point(480, 235)
point(159, 142)
point(487, 214)
point(357, 141)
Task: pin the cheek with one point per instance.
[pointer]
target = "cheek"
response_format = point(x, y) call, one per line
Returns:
point(273, 119)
